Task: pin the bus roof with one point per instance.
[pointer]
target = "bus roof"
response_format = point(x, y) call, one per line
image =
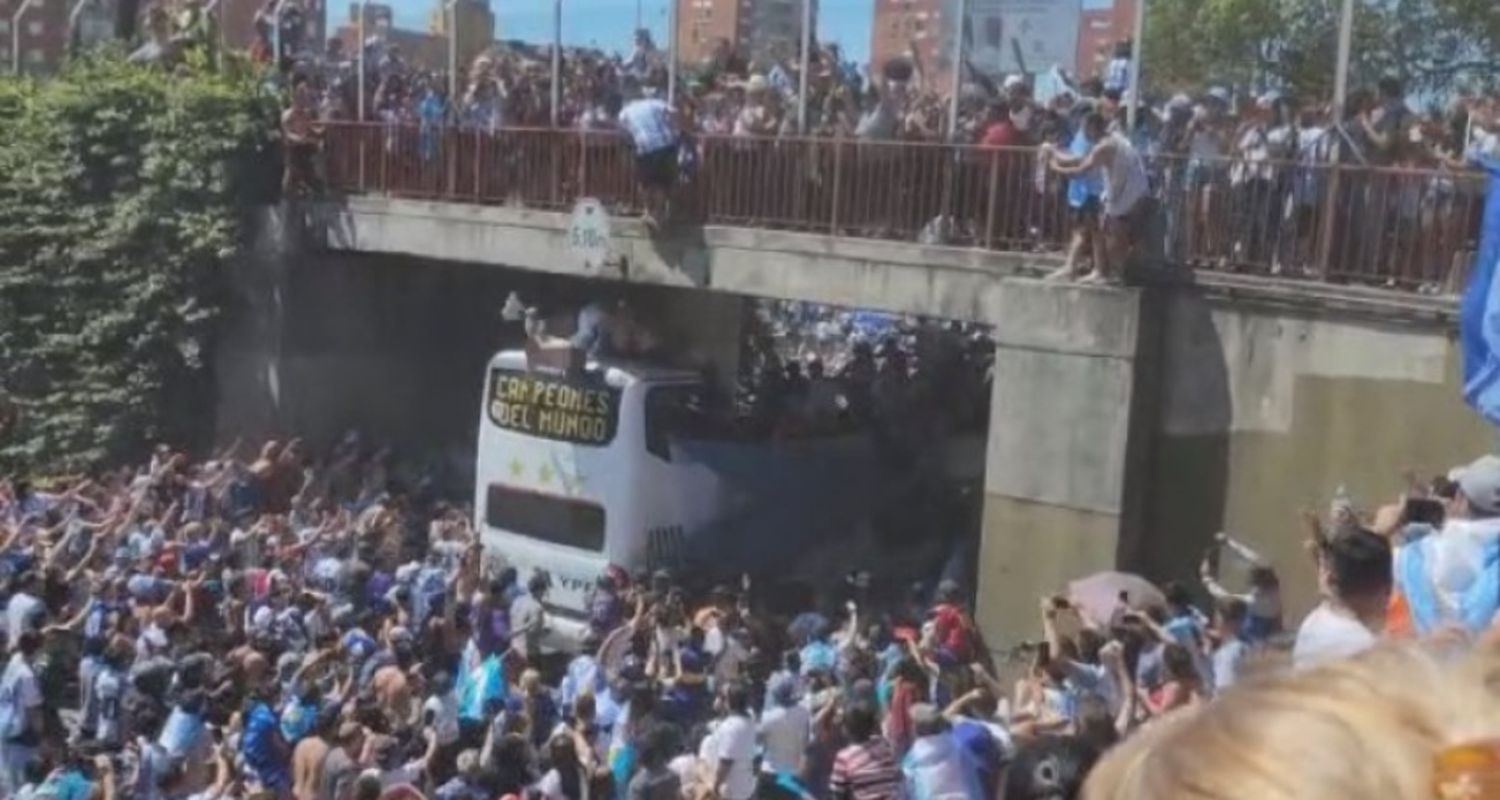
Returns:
point(616, 371)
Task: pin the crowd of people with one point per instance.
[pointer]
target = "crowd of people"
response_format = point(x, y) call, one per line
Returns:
point(811, 368)
point(297, 625)
point(1258, 160)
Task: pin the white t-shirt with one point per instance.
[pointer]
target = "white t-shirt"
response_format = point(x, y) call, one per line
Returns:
point(18, 695)
point(1485, 144)
point(1327, 635)
point(550, 787)
point(108, 691)
point(1226, 661)
point(785, 733)
point(21, 615)
point(1125, 179)
point(734, 741)
point(246, 543)
point(444, 712)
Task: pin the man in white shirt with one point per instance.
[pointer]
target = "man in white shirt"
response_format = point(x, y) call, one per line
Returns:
point(440, 712)
point(785, 730)
point(25, 610)
point(1229, 620)
point(528, 617)
point(1354, 574)
point(733, 746)
point(20, 714)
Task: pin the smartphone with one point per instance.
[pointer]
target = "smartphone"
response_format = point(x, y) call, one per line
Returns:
point(1425, 510)
point(1043, 655)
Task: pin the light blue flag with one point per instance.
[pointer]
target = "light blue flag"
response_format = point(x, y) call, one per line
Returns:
point(1479, 313)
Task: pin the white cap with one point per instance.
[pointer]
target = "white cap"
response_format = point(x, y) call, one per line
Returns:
point(1480, 483)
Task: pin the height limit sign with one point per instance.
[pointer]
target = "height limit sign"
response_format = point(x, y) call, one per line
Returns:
point(589, 241)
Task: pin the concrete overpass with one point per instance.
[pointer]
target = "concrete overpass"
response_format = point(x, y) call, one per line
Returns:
point(1128, 425)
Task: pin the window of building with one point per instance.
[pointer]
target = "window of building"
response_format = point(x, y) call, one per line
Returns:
point(35, 55)
point(5, 27)
point(36, 27)
point(5, 54)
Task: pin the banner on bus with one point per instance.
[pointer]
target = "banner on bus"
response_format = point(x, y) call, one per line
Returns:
point(550, 407)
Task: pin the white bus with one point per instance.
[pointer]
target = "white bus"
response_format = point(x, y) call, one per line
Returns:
point(566, 481)
point(617, 463)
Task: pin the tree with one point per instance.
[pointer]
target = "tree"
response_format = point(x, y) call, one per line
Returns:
point(122, 190)
point(1291, 45)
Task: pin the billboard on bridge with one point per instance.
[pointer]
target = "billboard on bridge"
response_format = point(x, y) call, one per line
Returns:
point(1008, 36)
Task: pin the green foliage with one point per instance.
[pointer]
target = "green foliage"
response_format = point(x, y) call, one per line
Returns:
point(122, 191)
point(1291, 45)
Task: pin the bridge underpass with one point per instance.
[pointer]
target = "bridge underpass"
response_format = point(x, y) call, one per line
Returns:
point(1127, 425)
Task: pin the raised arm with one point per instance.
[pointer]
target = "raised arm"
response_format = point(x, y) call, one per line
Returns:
point(1113, 657)
point(75, 622)
point(1243, 551)
point(1077, 165)
point(105, 769)
point(1049, 626)
point(73, 575)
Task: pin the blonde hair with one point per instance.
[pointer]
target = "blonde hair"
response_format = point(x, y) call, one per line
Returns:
point(1370, 726)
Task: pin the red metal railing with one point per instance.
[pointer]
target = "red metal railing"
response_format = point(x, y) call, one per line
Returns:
point(1405, 228)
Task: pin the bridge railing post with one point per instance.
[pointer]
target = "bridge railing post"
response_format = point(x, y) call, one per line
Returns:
point(1327, 222)
point(450, 157)
point(989, 199)
point(838, 185)
point(583, 164)
point(361, 135)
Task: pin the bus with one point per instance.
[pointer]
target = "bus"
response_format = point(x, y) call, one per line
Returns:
point(582, 464)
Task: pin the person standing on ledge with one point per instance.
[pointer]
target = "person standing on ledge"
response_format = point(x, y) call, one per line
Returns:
point(649, 121)
point(1126, 187)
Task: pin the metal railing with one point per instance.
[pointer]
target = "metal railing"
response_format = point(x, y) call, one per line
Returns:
point(1407, 228)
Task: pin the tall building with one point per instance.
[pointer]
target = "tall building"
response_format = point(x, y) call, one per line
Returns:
point(1023, 36)
point(922, 27)
point(760, 30)
point(1099, 30)
point(43, 35)
point(420, 48)
point(237, 17)
point(473, 24)
point(1002, 37)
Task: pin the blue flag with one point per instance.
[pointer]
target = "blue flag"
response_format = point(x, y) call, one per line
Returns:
point(1479, 313)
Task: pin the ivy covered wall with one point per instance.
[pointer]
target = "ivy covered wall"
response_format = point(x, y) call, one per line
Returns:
point(123, 193)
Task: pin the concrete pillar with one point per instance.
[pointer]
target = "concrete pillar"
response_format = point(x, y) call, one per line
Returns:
point(1066, 445)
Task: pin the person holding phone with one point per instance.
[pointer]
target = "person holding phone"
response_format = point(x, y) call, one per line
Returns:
point(1263, 618)
point(1354, 575)
point(1447, 565)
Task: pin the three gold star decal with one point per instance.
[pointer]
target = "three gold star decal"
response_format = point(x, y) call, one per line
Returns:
point(544, 473)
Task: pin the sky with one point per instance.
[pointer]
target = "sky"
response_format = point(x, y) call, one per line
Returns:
point(609, 23)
